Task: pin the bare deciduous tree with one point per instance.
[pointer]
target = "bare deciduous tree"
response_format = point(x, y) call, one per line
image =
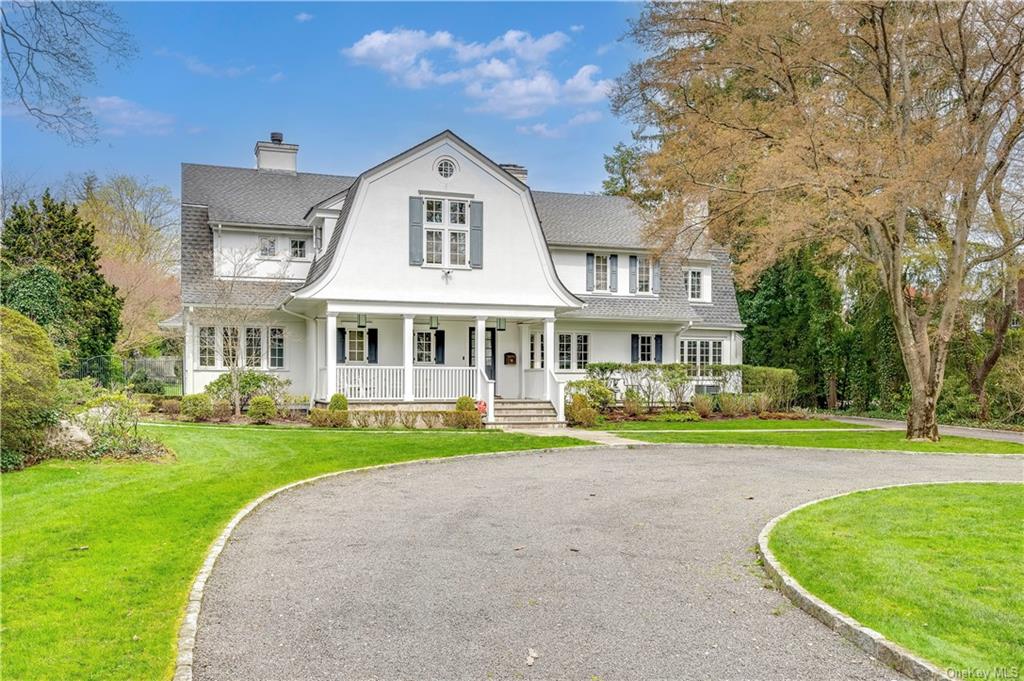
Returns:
point(50, 50)
point(877, 128)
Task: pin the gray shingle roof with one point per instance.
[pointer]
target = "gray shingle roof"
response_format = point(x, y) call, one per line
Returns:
point(589, 220)
point(323, 261)
point(260, 197)
point(668, 308)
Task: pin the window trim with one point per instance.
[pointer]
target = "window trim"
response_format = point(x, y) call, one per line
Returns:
point(270, 348)
point(567, 349)
point(447, 229)
point(241, 332)
point(212, 347)
point(431, 345)
point(607, 272)
point(697, 367)
point(350, 337)
point(705, 285)
point(258, 337)
point(649, 337)
point(641, 261)
point(264, 240)
point(291, 249)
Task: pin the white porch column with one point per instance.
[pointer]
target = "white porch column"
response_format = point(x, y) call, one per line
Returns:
point(481, 340)
point(549, 353)
point(188, 355)
point(524, 356)
point(408, 394)
point(311, 358)
point(331, 354)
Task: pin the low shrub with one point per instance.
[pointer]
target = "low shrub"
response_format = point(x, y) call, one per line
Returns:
point(338, 402)
point(28, 383)
point(431, 419)
point(782, 416)
point(142, 382)
point(704, 405)
point(325, 418)
point(384, 418)
point(221, 410)
point(360, 419)
point(408, 418)
point(465, 403)
point(733, 404)
point(249, 384)
point(261, 409)
point(198, 407)
point(632, 403)
point(761, 402)
point(600, 395)
point(112, 420)
point(579, 412)
point(171, 407)
point(679, 416)
point(462, 419)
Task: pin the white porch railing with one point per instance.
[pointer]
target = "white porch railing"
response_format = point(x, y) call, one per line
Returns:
point(443, 383)
point(371, 382)
point(556, 393)
point(486, 393)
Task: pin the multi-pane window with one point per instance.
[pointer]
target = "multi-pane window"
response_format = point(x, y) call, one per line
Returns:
point(445, 168)
point(229, 346)
point(565, 351)
point(435, 211)
point(253, 347)
point(357, 345)
point(457, 212)
point(601, 272)
point(646, 353)
point(582, 351)
point(207, 346)
point(424, 347)
point(457, 252)
point(446, 240)
point(435, 247)
point(694, 279)
point(700, 354)
point(298, 248)
point(268, 246)
point(643, 274)
point(276, 349)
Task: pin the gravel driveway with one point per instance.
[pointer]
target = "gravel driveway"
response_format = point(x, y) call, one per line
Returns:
point(609, 564)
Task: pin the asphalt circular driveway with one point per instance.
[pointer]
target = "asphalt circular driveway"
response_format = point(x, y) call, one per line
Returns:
point(608, 563)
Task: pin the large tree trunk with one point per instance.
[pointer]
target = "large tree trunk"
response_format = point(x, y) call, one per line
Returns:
point(921, 421)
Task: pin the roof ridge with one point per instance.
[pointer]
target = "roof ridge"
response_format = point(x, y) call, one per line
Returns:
point(255, 170)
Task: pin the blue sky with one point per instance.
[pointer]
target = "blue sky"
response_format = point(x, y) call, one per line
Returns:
point(352, 84)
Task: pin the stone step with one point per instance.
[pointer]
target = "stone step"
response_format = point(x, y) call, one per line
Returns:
point(546, 418)
point(527, 424)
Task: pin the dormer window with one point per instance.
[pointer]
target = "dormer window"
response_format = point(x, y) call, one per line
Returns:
point(643, 274)
point(268, 247)
point(298, 248)
point(446, 242)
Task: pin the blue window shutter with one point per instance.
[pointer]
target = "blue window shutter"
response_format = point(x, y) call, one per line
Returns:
point(371, 346)
point(476, 234)
point(590, 271)
point(613, 273)
point(634, 348)
point(656, 277)
point(415, 230)
point(439, 346)
point(340, 346)
point(632, 274)
point(657, 349)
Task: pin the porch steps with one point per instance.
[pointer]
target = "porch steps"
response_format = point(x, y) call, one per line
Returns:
point(524, 413)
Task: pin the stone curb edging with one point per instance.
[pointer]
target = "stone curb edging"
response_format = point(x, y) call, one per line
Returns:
point(189, 625)
point(868, 640)
point(850, 450)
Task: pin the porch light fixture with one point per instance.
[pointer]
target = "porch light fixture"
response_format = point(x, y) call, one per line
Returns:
point(501, 323)
point(361, 321)
point(433, 323)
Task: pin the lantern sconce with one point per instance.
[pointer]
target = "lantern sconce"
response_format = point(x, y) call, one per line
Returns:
point(501, 323)
point(361, 321)
point(433, 323)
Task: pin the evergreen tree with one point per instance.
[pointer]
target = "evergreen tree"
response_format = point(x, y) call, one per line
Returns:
point(623, 166)
point(51, 243)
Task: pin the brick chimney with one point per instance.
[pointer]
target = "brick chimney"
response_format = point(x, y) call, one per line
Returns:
point(515, 170)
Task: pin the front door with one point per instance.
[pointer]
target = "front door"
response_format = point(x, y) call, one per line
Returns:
point(490, 352)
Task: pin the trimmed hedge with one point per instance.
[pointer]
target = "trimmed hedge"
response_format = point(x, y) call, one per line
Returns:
point(338, 403)
point(198, 407)
point(28, 383)
point(262, 409)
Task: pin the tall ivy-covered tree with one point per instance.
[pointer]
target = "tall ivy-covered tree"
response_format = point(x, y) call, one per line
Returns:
point(879, 128)
point(52, 237)
point(793, 315)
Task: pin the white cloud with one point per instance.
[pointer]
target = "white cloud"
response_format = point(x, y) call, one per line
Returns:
point(606, 48)
point(277, 77)
point(122, 117)
point(545, 130)
point(583, 88)
point(199, 67)
point(576, 28)
point(506, 75)
point(303, 17)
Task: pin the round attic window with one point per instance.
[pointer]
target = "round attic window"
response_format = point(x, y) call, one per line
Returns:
point(445, 168)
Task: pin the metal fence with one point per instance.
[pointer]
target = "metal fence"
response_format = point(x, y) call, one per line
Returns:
point(160, 375)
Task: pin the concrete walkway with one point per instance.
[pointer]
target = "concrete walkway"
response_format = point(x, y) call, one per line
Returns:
point(960, 431)
point(607, 563)
point(601, 437)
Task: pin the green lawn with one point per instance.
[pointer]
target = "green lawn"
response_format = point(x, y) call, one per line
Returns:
point(935, 568)
point(848, 440)
point(98, 558)
point(725, 424)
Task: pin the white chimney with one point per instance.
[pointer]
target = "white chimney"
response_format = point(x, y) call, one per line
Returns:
point(276, 155)
point(515, 170)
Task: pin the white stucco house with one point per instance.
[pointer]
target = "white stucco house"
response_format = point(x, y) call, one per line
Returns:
point(434, 274)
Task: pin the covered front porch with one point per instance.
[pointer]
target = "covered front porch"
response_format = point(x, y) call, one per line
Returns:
point(434, 355)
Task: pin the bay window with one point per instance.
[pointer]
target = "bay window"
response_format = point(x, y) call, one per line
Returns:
point(701, 354)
